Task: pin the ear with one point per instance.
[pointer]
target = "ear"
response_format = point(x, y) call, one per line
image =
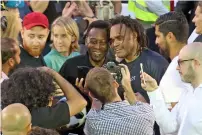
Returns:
point(170, 36)
point(22, 33)
point(116, 85)
point(86, 41)
point(73, 39)
point(134, 35)
point(11, 62)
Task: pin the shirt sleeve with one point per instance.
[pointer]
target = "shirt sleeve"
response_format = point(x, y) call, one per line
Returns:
point(51, 117)
point(157, 7)
point(166, 120)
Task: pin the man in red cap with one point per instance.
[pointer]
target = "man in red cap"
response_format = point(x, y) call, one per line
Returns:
point(34, 35)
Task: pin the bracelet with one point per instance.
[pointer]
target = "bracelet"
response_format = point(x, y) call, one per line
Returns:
point(92, 16)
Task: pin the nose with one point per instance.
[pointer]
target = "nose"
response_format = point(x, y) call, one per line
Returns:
point(156, 41)
point(193, 20)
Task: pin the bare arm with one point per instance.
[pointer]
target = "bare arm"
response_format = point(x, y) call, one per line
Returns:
point(117, 7)
point(39, 5)
point(75, 101)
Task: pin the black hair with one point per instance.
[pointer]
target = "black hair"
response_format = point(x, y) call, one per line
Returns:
point(100, 24)
point(28, 86)
point(176, 23)
point(42, 131)
point(134, 26)
point(7, 49)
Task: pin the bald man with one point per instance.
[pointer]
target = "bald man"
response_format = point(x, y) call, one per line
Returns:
point(186, 116)
point(16, 120)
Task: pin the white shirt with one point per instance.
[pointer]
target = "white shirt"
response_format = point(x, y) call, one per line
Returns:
point(171, 84)
point(3, 77)
point(192, 37)
point(185, 118)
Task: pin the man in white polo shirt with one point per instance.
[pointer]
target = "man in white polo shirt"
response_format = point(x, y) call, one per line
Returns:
point(186, 117)
point(171, 31)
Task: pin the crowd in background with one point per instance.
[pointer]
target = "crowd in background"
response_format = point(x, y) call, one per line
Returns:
point(86, 67)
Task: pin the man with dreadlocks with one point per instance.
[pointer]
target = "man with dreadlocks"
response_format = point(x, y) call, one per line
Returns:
point(129, 43)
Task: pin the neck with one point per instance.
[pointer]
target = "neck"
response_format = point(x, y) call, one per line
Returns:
point(115, 99)
point(175, 50)
point(97, 64)
point(5, 69)
point(131, 58)
point(65, 53)
point(197, 82)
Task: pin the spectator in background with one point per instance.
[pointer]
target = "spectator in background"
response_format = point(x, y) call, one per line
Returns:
point(114, 116)
point(10, 24)
point(42, 131)
point(197, 21)
point(10, 54)
point(35, 89)
point(34, 35)
point(185, 118)
point(65, 36)
point(15, 120)
point(188, 8)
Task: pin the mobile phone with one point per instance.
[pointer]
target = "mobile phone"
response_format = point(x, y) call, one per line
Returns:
point(141, 67)
point(82, 71)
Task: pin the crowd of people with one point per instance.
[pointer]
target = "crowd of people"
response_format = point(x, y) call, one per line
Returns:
point(80, 67)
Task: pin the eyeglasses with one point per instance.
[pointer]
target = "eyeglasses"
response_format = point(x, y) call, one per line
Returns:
point(181, 61)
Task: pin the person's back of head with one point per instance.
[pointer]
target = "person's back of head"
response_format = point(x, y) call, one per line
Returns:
point(175, 23)
point(10, 53)
point(29, 86)
point(101, 85)
point(16, 120)
point(42, 131)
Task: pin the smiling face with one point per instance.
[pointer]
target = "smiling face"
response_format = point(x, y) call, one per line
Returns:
point(123, 41)
point(96, 42)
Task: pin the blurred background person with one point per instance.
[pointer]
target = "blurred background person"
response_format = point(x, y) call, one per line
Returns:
point(10, 24)
point(15, 120)
point(65, 36)
point(10, 54)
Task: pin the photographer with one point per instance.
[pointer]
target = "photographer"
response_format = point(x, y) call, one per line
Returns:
point(109, 114)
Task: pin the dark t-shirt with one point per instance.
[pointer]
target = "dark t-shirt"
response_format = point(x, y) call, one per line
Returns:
point(153, 63)
point(29, 61)
point(51, 117)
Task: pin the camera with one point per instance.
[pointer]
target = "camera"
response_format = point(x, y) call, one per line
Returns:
point(115, 71)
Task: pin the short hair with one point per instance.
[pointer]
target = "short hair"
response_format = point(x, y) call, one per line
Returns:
point(99, 24)
point(42, 131)
point(8, 49)
point(70, 28)
point(99, 82)
point(176, 23)
point(28, 86)
point(134, 26)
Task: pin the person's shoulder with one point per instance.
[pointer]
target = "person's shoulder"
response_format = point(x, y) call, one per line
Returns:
point(154, 56)
point(76, 59)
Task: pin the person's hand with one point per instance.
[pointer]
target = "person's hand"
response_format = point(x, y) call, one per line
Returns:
point(79, 84)
point(69, 9)
point(150, 83)
point(126, 82)
point(85, 9)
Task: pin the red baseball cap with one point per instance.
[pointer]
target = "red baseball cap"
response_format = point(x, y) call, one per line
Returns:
point(35, 19)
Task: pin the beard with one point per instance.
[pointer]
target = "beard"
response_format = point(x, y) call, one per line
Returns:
point(16, 66)
point(189, 76)
point(166, 51)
